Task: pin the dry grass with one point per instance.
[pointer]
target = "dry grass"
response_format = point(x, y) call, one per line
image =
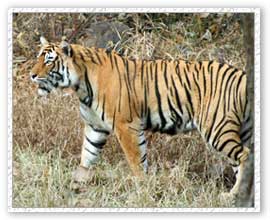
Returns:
point(47, 133)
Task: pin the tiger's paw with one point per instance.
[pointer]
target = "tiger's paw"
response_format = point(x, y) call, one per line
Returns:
point(81, 175)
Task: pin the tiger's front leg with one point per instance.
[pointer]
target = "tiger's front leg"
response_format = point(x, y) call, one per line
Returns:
point(94, 140)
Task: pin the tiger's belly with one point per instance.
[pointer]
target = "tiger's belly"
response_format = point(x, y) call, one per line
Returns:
point(169, 126)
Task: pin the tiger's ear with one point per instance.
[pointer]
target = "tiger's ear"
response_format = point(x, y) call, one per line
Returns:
point(66, 48)
point(43, 41)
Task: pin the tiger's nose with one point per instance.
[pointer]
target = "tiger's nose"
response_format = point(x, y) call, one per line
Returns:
point(33, 76)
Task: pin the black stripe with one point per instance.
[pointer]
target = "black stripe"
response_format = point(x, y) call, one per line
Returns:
point(134, 80)
point(210, 95)
point(148, 119)
point(220, 122)
point(245, 107)
point(147, 77)
point(81, 56)
point(113, 123)
point(143, 158)
point(91, 56)
point(209, 64)
point(233, 149)
point(228, 131)
point(237, 91)
point(45, 89)
point(187, 78)
point(244, 133)
point(98, 57)
point(71, 52)
point(204, 81)
point(111, 60)
point(177, 97)
point(222, 146)
point(129, 99)
point(128, 74)
point(199, 90)
point(142, 72)
point(189, 101)
point(141, 134)
point(244, 139)
point(238, 152)
point(162, 118)
point(120, 83)
point(239, 82)
point(216, 137)
point(229, 94)
point(98, 145)
point(173, 110)
point(103, 108)
point(76, 87)
point(237, 116)
point(198, 70)
point(90, 152)
point(142, 110)
point(128, 86)
point(57, 74)
point(165, 74)
point(54, 84)
point(98, 130)
point(88, 86)
point(178, 72)
point(142, 143)
point(217, 75)
point(145, 101)
point(151, 71)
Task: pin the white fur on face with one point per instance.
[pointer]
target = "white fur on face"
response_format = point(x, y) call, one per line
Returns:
point(50, 56)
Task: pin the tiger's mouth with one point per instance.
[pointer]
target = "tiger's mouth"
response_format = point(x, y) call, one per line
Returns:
point(50, 82)
point(45, 85)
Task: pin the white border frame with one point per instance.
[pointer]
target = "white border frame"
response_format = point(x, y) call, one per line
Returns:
point(256, 12)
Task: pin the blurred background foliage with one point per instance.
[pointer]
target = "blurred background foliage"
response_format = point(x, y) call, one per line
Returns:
point(148, 36)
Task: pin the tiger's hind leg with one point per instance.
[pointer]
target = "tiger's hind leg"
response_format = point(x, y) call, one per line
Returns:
point(94, 140)
point(227, 140)
point(239, 170)
point(245, 135)
point(134, 144)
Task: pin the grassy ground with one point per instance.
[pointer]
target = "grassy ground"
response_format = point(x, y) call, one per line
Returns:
point(47, 132)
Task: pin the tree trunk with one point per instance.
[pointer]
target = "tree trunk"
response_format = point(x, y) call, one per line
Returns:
point(245, 198)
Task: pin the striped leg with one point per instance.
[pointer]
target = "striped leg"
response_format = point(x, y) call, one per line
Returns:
point(239, 170)
point(227, 140)
point(94, 140)
point(143, 148)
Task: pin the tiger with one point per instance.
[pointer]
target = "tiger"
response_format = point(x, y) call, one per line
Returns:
point(128, 97)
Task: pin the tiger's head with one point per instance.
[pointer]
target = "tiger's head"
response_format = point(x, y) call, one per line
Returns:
point(53, 69)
